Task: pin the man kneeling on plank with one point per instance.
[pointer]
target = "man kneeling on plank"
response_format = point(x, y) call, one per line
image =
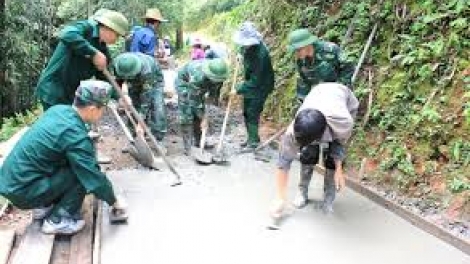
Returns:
point(326, 116)
point(53, 166)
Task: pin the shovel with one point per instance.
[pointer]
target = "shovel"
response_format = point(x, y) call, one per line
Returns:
point(199, 154)
point(140, 150)
point(220, 156)
point(177, 180)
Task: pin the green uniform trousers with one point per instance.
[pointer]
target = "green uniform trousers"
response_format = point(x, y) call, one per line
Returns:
point(252, 109)
point(151, 105)
point(62, 190)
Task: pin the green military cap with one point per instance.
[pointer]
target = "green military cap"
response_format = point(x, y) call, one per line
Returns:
point(114, 20)
point(216, 70)
point(300, 38)
point(127, 66)
point(94, 92)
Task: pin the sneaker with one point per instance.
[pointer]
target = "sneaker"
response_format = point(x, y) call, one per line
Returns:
point(300, 200)
point(42, 212)
point(66, 226)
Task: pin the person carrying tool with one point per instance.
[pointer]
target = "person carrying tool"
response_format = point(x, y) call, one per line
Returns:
point(196, 80)
point(317, 62)
point(82, 53)
point(326, 116)
point(53, 166)
point(144, 85)
point(145, 39)
point(258, 79)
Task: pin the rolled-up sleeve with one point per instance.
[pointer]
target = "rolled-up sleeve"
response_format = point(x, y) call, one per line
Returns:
point(287, 152)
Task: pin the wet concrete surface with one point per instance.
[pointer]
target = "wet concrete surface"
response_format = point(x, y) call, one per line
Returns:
point(220, 213)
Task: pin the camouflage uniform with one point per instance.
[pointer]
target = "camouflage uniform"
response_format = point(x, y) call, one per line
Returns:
point(329, 65)
point(192, 87)
point(146, 92)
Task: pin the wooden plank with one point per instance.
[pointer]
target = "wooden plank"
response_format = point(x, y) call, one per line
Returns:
point(97, 241)
point(81, 245)
point(7, 238)
point(35, 248)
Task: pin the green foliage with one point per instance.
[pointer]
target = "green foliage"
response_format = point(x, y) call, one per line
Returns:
point(13, 124)
point(459, 184)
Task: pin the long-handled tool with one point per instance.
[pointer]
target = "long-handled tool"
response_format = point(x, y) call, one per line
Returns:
point(220, 156)
point(199, 154)
point(269, 140)
point(144, 126)
point(140, 150)
point(265, 143)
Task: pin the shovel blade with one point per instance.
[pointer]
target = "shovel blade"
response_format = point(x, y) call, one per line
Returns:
point(201, 156)
point(143, 154)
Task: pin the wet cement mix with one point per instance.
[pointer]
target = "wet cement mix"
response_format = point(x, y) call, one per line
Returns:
point(113, 140)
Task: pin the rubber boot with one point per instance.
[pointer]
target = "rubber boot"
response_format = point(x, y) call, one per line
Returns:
point(329, 191)
point(197, 132)
point(253, 138)
point(187, 134)
point(306, 172)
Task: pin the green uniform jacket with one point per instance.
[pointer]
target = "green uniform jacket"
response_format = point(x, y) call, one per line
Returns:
point(57, 139)
point(150, 77)
point(329, 65)
point(259, 73)
point(71, 63)
point(192, 86)
point(147, 93)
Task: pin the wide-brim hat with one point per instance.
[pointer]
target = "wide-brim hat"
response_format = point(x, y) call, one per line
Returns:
point(300, 38)
point(247, 35)
point(216, 70)
point(154, 14)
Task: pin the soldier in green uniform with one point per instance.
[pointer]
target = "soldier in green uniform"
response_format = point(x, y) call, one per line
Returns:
point(317, 62)
point(259, 79)
point(53, 166)
point(194, 82)
point(144, 84)
point(81, 54)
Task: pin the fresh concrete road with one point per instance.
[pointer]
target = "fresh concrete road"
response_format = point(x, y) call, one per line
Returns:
point(219, 216)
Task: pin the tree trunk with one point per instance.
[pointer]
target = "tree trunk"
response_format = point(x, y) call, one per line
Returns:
point(179, 37)
point(3, 60)
point(2, 36)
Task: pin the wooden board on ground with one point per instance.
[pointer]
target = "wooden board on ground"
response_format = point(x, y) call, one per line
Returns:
point(7, 238)
point(81, 246)
point(7, 146)
point(35, 247)
point(97, 239)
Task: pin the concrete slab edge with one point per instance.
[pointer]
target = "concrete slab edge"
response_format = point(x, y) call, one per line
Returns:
point(431, 228)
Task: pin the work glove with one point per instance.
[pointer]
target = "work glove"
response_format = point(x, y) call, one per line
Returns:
point(118, 211)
